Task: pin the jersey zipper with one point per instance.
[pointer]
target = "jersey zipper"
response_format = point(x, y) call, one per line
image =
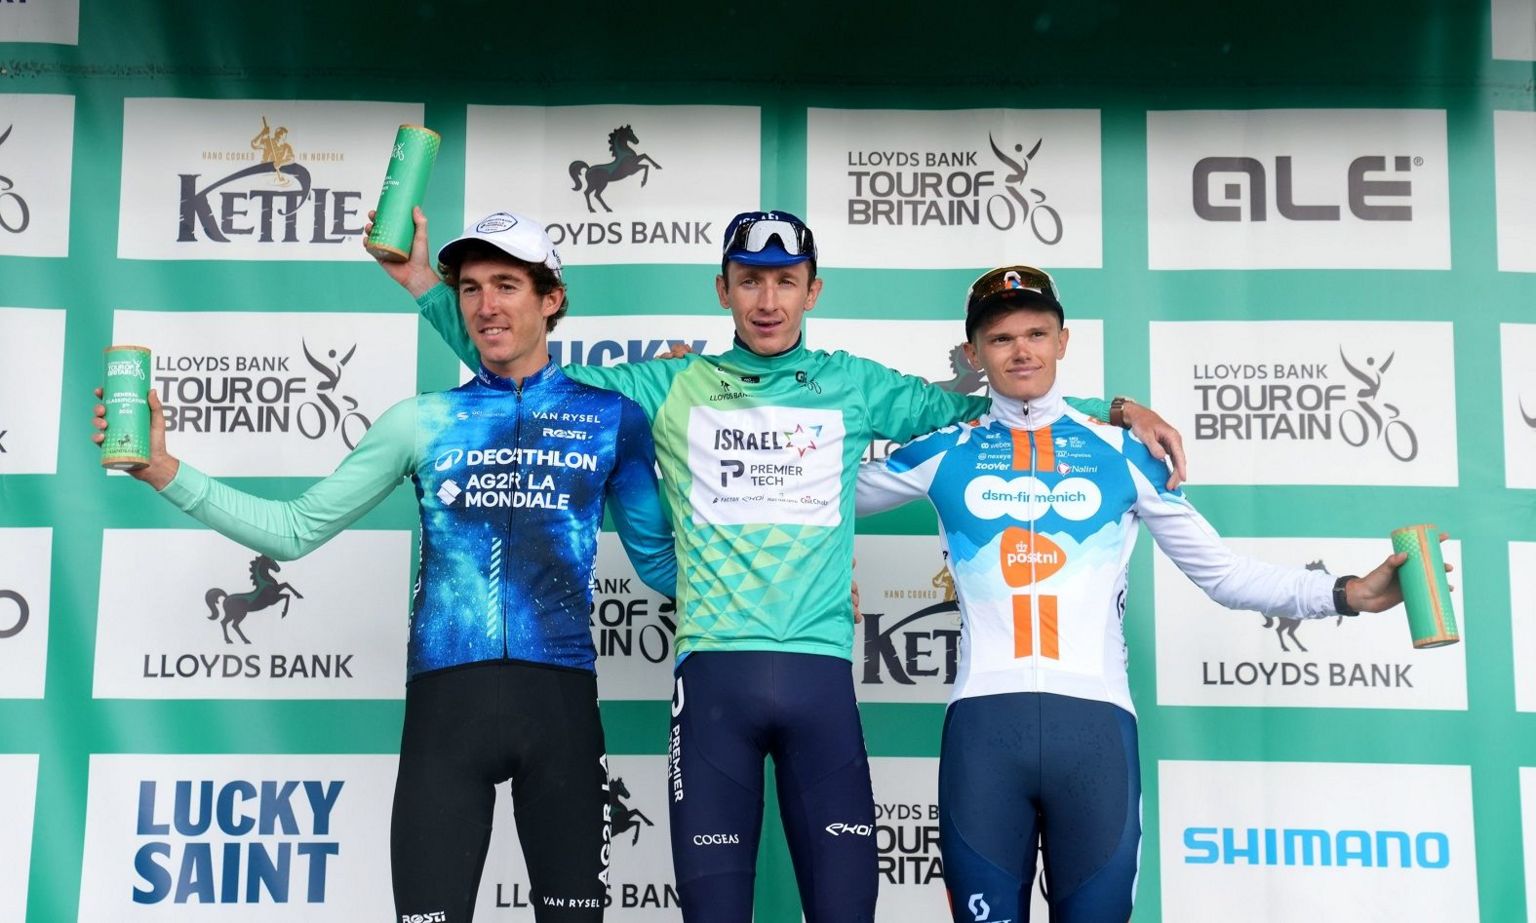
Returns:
point(1034, 591)
point(517, 444)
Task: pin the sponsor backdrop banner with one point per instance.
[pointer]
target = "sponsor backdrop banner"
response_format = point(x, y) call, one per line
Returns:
point(1313, 253)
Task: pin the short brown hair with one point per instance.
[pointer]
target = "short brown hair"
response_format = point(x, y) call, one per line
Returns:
point(544, 278)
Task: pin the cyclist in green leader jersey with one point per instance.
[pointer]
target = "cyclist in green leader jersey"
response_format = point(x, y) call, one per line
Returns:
point(759, 448)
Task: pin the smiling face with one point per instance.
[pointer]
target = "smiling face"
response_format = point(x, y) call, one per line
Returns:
point(767, 303)
point(1019, 350)
point(506, 316)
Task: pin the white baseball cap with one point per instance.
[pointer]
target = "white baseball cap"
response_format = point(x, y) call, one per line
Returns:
point(512, 234)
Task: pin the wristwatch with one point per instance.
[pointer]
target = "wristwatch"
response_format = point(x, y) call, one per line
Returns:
point(1341, 599)
point(1117, 412)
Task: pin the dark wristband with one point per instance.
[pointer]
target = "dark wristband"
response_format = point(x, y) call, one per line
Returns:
point(1117, 412)
point(1341, 599)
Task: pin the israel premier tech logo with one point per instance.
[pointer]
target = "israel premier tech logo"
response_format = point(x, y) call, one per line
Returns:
point(1296, 189)
point(172, 837)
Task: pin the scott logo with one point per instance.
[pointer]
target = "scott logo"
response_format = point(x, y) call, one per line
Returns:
point(838, 829)
point(1365, 195)
point(23, 612)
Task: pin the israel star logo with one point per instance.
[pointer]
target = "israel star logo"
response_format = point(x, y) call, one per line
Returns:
point(801, 439)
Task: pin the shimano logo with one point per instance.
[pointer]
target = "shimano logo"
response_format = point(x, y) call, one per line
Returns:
point(448, 459)
point(839, 829)
point(565, 434)
point(449, 492)
point(1316, 847)
point(716, 839)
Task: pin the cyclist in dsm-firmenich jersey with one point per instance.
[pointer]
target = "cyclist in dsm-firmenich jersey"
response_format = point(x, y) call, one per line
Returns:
point(759, 448)
point(1038, 508)
point(512, 472)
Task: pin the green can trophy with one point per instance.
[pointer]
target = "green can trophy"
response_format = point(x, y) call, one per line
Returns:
point(1426, 593)
point(125, 391)
point(405, 184)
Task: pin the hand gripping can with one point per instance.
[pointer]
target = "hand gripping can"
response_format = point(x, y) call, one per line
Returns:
point(405, 184)
point(125, 391)
point(1426, 593)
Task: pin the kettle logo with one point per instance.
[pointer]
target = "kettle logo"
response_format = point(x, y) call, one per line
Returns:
point(23, 613)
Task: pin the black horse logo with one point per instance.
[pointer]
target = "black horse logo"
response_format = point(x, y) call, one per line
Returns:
point(624, 817)
point(265, 592)
point(1285, 625)
point(626, 162)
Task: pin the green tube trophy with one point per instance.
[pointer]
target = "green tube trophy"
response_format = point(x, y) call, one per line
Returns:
point(405, 184)
point(1426, 593)
point(125, 391)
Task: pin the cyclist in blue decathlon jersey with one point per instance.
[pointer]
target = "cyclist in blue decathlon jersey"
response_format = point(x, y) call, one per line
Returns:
point(512, 471)
point(1038, 509)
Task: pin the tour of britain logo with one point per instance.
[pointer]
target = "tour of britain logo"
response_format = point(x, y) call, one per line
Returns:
point(36, 153)
point(1332, 402)
point(251, 179)
point(1208, 656)
point(192, 837)
point(1316, 841)
point(1514, 148)
point(898, 188)
point(633, 627)
point(640, 879)
point(1298, 189)
point(273, 394)
point(617, 184)
point(25, 574)
point(219, 622)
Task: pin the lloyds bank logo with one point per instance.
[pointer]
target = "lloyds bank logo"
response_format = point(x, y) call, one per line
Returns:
point(625, 162)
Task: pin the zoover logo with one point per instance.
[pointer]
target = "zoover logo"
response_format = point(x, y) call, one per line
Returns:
point(898, 188)
point(1280, 402)
point(252, 179)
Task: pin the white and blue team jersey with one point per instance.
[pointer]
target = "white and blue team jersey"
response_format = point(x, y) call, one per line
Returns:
point(1038, 508)
point(512, 480)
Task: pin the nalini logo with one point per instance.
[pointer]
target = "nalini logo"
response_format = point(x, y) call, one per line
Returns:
point(14, 613)
point(1246, 180)
point(14, 214)
point(266, 591)
point(622, 816)
point(1286, 625)
point(1316, 847)
point(235, 827)
point(626, 162)
point(275, 199)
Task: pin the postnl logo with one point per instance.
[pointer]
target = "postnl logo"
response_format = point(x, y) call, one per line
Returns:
point(1029, 557)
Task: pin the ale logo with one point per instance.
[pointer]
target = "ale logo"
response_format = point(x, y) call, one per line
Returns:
point(266, 591)
point(12, 622)
point(1029, 557)
point(626, 162)
point(1285, 625)
point(622, 816)
point(14, 214)
point(1365, 195)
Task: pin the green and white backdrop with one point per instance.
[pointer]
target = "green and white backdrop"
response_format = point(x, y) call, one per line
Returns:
point(1303, 232)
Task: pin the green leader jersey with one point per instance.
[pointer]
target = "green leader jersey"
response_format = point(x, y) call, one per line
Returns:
point(758, 456)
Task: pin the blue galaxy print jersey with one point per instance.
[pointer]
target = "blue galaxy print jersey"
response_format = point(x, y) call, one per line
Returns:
point(511, 482)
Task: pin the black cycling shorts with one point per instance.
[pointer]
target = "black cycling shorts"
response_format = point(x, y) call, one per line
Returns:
point(467, 730)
